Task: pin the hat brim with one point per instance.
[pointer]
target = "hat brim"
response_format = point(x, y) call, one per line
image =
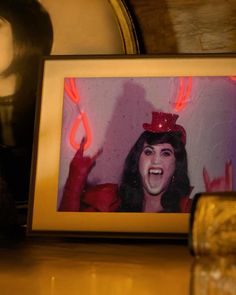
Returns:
point(177, 128)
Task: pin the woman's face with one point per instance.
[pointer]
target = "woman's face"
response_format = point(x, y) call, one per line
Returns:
point(6, 45)
point(156, 167)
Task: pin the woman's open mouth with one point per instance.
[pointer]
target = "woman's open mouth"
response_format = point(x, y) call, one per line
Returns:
point(155, 171)
point(155, 176)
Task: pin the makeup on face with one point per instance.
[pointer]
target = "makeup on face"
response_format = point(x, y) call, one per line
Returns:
point(156, 167)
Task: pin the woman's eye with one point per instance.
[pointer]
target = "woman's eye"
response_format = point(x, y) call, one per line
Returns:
point(148, 152)
point(166, 154)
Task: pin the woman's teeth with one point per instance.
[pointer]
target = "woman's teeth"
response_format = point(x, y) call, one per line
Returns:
point(156, 171)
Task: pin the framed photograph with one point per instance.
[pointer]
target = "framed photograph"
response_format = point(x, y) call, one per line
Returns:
point(123, 143)
point(115, 27)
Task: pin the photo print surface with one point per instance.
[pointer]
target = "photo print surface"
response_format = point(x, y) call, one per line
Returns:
point(103, 118)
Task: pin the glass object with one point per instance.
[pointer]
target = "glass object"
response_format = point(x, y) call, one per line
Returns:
point(213, 224)
point(213, 275)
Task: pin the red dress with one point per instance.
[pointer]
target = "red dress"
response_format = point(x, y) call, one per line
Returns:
point(99, 198)
point(104, 198)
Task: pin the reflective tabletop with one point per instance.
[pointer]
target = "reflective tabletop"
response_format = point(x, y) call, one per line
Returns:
point(52, 266)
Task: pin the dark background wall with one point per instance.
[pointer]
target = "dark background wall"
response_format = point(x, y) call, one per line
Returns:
point(186, 26)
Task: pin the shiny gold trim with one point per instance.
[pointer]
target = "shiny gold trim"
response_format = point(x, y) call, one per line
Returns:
point(126, 27)
point(213, 274)
point(214, 226)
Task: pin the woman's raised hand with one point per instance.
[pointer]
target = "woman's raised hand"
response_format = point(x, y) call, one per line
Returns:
point(81, 165)
point(220, 184)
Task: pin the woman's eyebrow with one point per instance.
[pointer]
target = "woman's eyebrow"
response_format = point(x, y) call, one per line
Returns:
point(148, 146)
point(167, 150)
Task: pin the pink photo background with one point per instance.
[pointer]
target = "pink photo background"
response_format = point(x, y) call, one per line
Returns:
point(117, 107)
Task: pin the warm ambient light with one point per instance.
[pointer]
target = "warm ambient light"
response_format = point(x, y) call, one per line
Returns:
point(183, 93)
point(71, 91)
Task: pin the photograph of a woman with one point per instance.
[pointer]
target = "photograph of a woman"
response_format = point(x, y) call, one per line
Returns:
point(154, 179)
point(26, 35)
point(139, 149)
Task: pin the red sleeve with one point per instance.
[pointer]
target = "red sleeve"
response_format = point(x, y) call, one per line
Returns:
point(79, 169)
point(102, 198)
point(71, 194)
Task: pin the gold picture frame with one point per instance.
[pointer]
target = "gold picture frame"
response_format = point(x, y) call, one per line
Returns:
point(44, 216)
point(126, 24)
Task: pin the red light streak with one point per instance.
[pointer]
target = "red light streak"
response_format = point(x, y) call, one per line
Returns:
point(183, 93)
point(233, 78)
point(81, 117)
point(71, 91)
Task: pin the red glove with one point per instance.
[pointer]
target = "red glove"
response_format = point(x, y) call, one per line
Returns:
point(80, 167)
point(219, 184)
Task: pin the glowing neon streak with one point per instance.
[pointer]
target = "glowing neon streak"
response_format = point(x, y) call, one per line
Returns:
point(81, 117)
point(182, 97)
point(71, 91)
point(67, 90)
point(180, 94)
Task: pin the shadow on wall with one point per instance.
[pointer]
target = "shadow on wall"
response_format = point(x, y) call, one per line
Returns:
point(130, 112)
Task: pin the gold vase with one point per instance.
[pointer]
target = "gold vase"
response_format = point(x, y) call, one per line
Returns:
point(213, 224)
point(213, 275)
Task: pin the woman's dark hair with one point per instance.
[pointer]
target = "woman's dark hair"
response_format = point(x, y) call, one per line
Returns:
point(32, 36)
point(32, 33)
point(131, 188)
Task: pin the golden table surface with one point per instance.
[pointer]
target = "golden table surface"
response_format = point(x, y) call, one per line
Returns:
point(67, 266)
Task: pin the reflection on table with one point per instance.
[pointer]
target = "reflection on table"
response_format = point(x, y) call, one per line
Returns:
point(77, 267)
point(214, 275)
point(64, 266)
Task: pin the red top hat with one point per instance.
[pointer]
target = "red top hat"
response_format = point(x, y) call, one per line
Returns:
point(165, 122)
